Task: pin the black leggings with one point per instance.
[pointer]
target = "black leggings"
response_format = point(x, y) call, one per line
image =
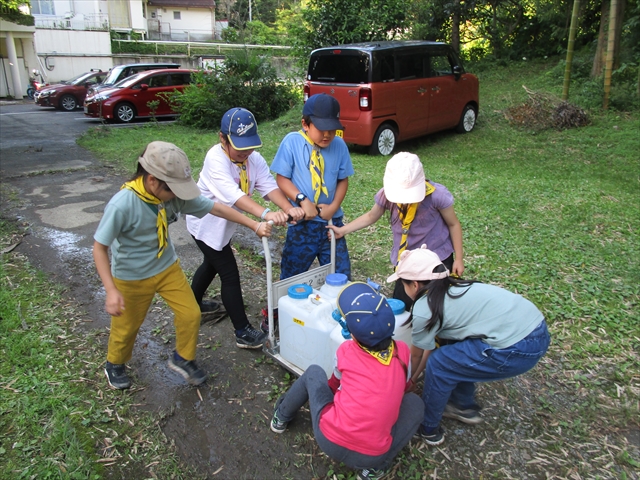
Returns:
point(221, 263)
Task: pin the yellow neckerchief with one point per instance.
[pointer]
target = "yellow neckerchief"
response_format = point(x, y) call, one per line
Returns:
point(162, 226)
point(244, 176)
point(383, 356)
point(316, 167)
point(408, 218)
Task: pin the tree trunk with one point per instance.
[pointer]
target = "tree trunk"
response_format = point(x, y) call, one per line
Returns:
point(619, 21)
point(598, 60)
point(611, 48)
point(455, 26)
point(572, 39)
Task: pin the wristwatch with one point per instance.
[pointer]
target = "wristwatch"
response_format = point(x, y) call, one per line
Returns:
point(299, 198)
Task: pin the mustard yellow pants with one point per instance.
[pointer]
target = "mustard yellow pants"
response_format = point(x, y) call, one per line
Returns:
point(172, 286)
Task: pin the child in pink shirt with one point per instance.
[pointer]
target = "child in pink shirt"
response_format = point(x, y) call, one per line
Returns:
point(362, 417)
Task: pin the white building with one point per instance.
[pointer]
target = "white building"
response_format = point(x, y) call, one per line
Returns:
point(73, 36)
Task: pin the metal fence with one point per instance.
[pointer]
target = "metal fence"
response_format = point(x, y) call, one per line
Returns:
point(96, 21)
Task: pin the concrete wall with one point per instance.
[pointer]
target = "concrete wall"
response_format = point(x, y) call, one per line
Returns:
point(67, 53)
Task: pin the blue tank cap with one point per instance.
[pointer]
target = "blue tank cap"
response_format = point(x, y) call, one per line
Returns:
point(336, 279)
point(396, 305)
point(299, 291)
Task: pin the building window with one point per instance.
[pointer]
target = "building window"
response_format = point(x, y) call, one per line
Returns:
point(42, 7)
point(176, 15)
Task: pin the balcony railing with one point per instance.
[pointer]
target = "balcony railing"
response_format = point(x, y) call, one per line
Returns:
point(95, 21)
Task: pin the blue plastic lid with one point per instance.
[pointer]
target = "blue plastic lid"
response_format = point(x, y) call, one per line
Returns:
point(336, 279)
point(299, 291)
point(397, 306)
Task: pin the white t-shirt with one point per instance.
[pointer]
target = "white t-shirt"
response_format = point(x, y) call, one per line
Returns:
point(220, 181)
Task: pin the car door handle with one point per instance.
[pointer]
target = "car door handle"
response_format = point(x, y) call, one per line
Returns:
point(435, 89)
point(421, 90)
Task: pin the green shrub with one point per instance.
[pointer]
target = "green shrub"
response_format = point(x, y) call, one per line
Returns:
point(247, 81)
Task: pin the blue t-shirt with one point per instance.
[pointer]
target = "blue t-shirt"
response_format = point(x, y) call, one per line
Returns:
point(292, 161)
point(129, 227)
point(497, 316)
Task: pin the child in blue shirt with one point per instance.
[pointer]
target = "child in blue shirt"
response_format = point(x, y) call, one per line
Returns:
point(312, 167)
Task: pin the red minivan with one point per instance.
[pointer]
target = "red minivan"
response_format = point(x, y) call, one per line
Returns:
point(395, 90)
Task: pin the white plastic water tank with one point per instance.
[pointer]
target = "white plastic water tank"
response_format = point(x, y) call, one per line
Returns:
point(305, 322)
point(333, 285)
point(400, 332)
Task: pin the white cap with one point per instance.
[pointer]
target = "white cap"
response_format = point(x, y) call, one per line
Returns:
point(404, 180)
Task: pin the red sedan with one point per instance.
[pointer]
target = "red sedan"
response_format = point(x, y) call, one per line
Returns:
point(138, 96)
point(69, 94)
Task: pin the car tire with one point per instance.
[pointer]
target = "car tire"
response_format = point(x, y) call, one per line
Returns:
point(467, 119)
point(384, 141)
point(68, 103)
point(124, 112)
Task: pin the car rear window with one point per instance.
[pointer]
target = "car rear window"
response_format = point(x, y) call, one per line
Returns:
point(340, 66)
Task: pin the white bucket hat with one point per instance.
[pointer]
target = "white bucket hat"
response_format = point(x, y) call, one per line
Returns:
point(404, 180)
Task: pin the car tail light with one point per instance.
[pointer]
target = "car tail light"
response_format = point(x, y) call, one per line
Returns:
point(305, 95)
point(365, 99)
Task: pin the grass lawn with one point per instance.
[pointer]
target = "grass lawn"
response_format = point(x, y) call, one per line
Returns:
point(552, 215)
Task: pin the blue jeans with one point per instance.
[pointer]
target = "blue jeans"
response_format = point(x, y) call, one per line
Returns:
point(452, 370)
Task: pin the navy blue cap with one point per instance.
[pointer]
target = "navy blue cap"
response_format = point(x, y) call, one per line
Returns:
point(324, 111)
point(368, 314)
point(239, 125)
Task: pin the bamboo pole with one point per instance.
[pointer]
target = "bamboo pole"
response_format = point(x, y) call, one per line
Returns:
point(570, 46)
point(611, 46)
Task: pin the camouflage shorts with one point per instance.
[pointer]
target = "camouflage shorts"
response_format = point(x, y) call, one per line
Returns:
point(307, 241)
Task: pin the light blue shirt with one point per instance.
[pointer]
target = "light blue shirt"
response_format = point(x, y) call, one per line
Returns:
point(129, 227)
point(497, 316)
point(292, 161)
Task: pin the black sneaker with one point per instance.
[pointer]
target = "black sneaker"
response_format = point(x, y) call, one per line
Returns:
point(117, 376)
point(434, 438)
point(470, 416)
point(278, 425)
point(188, 369)
point(373, 473)
point(250, 338)
point(210, 309)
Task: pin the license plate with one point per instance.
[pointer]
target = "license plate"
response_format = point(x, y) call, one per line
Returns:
point(340, 133)
point(86, 109)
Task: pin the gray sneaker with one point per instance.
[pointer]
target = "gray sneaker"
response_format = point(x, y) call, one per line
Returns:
point(188, 369)
point(117, 376)
point(250, 338)
point(470, 416)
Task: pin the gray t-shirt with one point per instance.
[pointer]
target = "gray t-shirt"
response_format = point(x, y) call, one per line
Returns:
point(498, 316)
point(129, 227)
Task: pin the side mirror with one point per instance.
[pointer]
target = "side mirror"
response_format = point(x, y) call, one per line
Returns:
point(144, 86)
point(457, 71)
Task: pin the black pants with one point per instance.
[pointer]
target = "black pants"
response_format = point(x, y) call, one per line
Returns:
point(398, 290)
point(221, 263)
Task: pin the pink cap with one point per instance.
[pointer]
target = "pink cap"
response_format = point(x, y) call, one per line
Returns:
point(418, 265)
